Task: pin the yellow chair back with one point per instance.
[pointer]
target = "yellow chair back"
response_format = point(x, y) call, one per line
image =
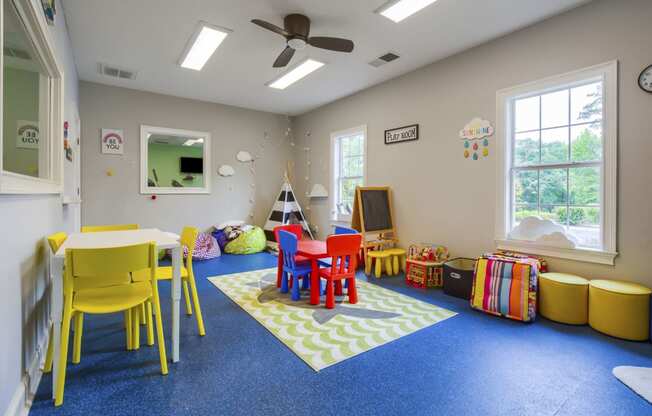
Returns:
point(188, 239)
point(103, 264)
point(114, 227)
point(55, 241)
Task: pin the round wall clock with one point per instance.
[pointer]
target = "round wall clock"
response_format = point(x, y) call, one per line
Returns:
point(645, 79)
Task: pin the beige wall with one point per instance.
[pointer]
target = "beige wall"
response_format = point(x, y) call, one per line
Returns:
point(441, 197)
point(117, 198)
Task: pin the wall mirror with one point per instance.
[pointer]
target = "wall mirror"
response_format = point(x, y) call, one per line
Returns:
point(31, 118)
point(174, 161)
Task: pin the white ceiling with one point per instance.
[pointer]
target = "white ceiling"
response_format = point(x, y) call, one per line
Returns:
point(149, 36)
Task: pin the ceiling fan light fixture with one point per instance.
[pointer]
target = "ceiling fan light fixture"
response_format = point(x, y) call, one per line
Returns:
point(206, 39)
point(397, 10)
point(300, 71)
point(297, 44)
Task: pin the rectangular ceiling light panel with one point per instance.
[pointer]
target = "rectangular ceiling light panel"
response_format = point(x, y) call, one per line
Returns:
point(302, 70)
point(399, 10)
point(202, 45)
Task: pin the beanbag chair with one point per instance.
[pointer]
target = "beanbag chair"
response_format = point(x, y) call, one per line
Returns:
point(249, 242)
point(206, 247)
point(221, 238)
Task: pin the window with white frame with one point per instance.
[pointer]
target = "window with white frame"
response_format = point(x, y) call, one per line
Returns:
point(348, 168)
point(559, 162)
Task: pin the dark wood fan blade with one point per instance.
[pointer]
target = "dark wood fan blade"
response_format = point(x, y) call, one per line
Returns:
point(333, 44)
point(270, 26)
point(284, 58)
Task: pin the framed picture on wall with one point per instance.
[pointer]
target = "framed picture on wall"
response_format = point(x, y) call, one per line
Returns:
point(113, 142)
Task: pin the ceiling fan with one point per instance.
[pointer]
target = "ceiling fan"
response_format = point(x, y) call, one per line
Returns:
point(296, 31)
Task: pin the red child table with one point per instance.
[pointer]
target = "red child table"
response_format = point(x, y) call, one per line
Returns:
point(313, 250)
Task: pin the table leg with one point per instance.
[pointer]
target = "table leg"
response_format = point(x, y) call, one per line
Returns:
point(314, 283)
point(56, 311)
point(176, 297)
point(338, 288)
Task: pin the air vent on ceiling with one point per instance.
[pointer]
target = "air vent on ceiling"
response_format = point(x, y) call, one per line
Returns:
point(382, 60)
point(17, 53)
point(115, 72)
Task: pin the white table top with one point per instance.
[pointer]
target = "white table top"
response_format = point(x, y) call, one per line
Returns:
point(106, 239)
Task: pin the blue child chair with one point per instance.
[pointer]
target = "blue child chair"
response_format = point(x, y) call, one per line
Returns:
point(288, 242)
point(344, 230)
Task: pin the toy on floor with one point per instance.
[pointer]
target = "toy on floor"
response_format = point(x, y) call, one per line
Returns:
point(286, 210)
point(424, 265)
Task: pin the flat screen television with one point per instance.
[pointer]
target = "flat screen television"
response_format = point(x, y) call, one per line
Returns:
point(191, 165)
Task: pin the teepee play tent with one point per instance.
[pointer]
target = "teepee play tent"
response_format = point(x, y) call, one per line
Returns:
point(286, 210)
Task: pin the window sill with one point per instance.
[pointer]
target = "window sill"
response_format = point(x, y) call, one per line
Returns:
point(577, 254)
point(14, 184)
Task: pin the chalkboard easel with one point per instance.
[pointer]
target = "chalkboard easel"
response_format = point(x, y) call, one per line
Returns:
point(373, 214)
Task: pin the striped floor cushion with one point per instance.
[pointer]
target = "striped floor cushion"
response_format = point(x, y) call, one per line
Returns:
point(506, 286)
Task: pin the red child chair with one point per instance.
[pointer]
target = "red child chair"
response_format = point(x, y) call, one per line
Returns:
point(295, 229)
point(343, 250)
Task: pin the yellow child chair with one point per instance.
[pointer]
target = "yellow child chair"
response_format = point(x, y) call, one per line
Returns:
point(97, 264)
point(142, 312)
point(55, 241)
point(101, 228)
point(188, 239)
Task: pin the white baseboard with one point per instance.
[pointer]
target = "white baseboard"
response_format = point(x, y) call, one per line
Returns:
point(21, 401)
point(17, 405)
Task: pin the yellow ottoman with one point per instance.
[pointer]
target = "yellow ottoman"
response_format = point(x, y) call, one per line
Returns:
point(379, 256)
point(620, 309)
point(564, 298)
point(398, 259)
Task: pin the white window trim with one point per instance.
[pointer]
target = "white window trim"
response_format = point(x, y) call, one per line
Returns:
point(145, 189)
point(37, 30)
point(608, 73)
point(335, 217)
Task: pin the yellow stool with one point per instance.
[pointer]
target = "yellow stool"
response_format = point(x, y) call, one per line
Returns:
point(564, 298)
point(379, 256)
point(620, 309)
point(398, 259)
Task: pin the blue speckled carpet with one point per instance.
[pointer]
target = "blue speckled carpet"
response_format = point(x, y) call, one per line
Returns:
point(473, 364)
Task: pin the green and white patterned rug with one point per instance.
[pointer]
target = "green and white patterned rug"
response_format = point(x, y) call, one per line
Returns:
point(322, 337)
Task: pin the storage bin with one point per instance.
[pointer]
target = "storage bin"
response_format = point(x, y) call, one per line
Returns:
point(458, 277)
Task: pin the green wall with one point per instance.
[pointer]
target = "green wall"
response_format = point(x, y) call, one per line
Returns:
point(165, 159)
point(21, 102)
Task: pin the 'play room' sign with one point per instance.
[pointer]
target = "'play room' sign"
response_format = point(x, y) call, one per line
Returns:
point(402, 134)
